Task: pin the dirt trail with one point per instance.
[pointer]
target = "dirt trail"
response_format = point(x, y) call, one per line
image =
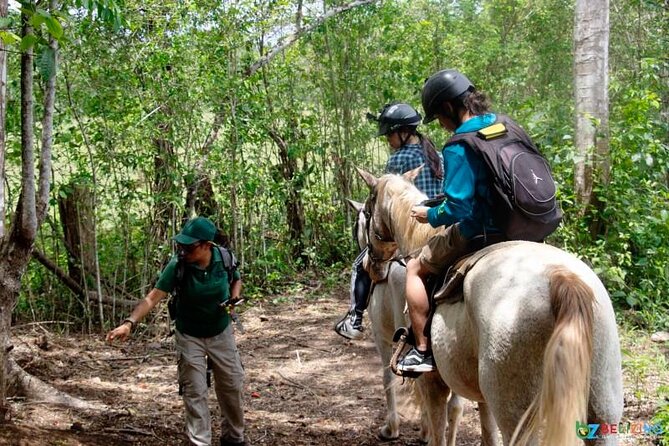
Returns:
point(304, 385)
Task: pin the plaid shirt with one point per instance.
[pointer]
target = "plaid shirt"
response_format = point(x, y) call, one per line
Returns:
point(409, 157)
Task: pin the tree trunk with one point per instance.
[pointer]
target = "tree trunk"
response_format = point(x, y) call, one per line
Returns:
point(76, 216)
point(591, 61)
point(163, 186)
point(293, 202)
point(33, 203)
point(3, 114)
point(200, 196)
point(236, 241)
point(24, 384)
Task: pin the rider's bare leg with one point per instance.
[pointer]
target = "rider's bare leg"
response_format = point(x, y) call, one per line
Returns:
point(417, 301)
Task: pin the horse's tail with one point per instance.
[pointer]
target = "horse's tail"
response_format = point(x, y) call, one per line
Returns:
point(563, 398)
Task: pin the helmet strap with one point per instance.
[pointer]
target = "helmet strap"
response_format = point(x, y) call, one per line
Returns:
point(403, 138)
point(405, 135)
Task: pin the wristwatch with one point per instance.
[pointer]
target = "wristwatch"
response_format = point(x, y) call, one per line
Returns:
point(132, 323)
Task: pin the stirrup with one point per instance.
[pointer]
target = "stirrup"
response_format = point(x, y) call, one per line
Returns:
point(402, 337)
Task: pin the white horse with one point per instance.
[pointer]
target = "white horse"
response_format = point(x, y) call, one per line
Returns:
point(386, 312)
point(534, 337)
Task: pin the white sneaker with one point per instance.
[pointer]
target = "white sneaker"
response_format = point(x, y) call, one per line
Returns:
point(348, 328)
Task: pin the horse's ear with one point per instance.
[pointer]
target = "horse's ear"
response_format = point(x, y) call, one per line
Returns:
point(370, 179)
point(357, 206)
point(412, 174)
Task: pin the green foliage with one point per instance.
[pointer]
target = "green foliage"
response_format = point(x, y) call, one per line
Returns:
point(644, 366)
point(144, 84)
point(47, 62)
point(639, 367)
point(633, 252)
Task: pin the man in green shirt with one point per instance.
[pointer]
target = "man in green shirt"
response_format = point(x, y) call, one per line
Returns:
point(203, 330)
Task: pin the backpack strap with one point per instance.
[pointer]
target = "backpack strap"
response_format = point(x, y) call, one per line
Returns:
point(503, 126)
point(229, 262)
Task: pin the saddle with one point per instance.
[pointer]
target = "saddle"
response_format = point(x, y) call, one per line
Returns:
point(451, 281)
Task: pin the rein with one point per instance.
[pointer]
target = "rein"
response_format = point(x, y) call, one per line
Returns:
point(368, 209)
point(370, 204)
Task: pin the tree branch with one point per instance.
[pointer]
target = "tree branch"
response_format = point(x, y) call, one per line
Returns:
point(74, 286)
point(47, 130)
point(25, 221)
point(288, 41)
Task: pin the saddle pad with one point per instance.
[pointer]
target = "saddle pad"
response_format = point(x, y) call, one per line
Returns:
point(451, 291)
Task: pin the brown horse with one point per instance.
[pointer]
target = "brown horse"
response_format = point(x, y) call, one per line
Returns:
point(534, 336)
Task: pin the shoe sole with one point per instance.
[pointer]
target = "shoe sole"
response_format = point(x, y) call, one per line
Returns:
point(348, 335)
point(417, 369)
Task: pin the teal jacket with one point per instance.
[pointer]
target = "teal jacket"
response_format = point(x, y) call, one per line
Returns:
point(467, 185)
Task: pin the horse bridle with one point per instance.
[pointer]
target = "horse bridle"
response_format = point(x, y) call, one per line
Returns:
point(370, 204)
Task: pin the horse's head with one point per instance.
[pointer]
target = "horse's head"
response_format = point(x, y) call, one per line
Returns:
point(381, 241)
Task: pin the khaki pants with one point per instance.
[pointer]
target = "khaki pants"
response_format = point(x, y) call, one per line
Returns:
point(228, 384)
point(443, 249)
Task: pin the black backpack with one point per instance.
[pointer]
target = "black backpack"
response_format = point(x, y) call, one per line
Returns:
point(523, 193)
point(229, 264)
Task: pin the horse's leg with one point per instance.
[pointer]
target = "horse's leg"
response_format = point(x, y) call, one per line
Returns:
point(435, 401)
point(391, 428)
point(455, 409)
point(382, 327)
point(488, 426)
point(605, 407)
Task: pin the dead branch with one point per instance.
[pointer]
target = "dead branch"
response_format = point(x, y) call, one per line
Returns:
point(74, 286)
point(293, 383)
point(40, 323)
point(129, 430)
point(129, 358)
point(290, 40)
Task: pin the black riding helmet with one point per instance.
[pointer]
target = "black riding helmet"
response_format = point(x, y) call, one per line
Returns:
point(442, 86)
point(395, 116)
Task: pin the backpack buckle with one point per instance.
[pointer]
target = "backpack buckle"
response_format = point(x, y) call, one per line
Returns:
point(492, 131)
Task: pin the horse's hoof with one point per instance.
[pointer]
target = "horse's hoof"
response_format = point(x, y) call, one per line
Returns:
point(384, 435)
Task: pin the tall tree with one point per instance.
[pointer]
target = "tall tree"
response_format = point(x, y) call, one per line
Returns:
point(591, 83)
point(16, 248)
point(17, 245)
point(3, 113)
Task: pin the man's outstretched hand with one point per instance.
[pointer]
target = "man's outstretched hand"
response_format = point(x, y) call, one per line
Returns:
point(122, 332)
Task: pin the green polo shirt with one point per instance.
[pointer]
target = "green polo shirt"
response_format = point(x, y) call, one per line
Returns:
point(203, 290)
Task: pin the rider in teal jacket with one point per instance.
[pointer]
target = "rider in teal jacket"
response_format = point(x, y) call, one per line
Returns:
point(466, 214)
point(466, 186)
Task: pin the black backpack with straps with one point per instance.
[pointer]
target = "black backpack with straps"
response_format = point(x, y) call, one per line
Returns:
point(524, 201)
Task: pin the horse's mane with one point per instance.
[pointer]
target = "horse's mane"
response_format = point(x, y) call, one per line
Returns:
point(396, 196)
